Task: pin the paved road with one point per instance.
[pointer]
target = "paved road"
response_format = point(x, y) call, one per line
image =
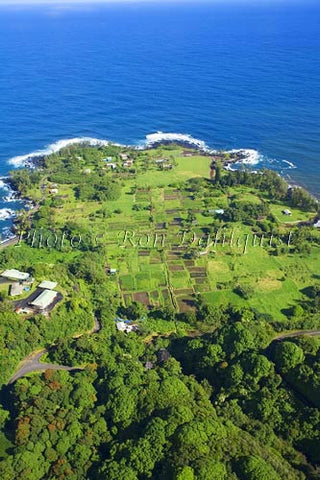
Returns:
point(298, 333)
point(32, 364)
point(10, 241)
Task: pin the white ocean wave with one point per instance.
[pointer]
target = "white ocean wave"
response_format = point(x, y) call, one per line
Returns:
point(6, 213)
point(22, 160)
point(250, 156)
point(159, 137)
point(291, 165)
point(6, 234)
point(10, 193)
point(229, 168)
point(3, 183)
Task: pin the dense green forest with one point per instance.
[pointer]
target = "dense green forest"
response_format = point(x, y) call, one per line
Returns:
point(209, 385)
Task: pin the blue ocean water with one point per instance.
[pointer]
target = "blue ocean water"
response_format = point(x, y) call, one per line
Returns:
point(235, 76)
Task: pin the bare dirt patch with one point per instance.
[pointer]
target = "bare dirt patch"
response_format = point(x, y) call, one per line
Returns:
point(186, 305)
point(176, 268)
point(161, 226)
point(141, 297)
point(173, 211)
point(174, 255)
point(197, 270)
point(189, 263)
point(143, 253)
point(171, 197)
point(198, 275)
point(155, 295)
point(184, 291)
point(165, 294)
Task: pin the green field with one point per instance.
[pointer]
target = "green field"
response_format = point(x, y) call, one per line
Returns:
point(156, 235)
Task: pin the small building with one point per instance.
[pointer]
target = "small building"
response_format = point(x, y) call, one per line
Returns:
point(53, 191)
point(219, 211)
point(112, 271)
point(167, 166)
point(112, 165)
point(16, 289)
point(124, 156)
point(286, 212)
point(128, 163)
point(108, 159)
point(87, 171)
point(317, 224)
point(160, 161)
point(16, 275)
point(47, 285)
point(43, 301)
point(123, 326)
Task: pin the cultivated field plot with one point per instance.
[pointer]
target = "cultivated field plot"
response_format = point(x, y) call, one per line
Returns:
point(156, 267)
point(168, 242)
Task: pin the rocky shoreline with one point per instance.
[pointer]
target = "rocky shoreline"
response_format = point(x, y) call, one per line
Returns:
point(229, 159)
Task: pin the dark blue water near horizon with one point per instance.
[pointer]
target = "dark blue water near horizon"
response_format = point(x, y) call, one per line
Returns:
point(235, 76)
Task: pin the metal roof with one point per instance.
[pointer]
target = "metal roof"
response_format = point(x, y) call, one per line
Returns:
point(44, 299)
point(15, 274)
point(48, 285)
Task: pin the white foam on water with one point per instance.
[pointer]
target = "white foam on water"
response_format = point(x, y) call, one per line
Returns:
point(11, 194)
point(291, 165)
point(3, 183)
point(23, 160)
point(250, 156)
point(7, 234)
point(154, 138)
point(6, 213)
point(229, 168)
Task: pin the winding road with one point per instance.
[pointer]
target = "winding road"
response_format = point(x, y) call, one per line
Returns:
point(32, 363)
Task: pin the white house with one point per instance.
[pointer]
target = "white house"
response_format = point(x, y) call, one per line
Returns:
point(286, 212)
point(44, 300)
point(15, 275)
point(126, 327)
point(47, 285)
